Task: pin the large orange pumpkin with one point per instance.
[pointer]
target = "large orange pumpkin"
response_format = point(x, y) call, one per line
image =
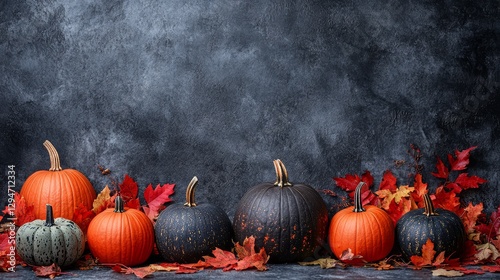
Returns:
point(121, 235)
point(64, 189)
point(368, 231)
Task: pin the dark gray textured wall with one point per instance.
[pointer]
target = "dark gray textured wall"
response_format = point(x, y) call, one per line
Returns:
point(165, 90)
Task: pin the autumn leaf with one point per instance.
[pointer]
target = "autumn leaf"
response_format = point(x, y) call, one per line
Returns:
point(86, 262)
point(491, 268)
point(156, 199)
point(388, 182)
point(495, 222)
point(247, 258)
point(133, 204)
point(140, 272)
point(83, 216)
point(447, 273)
point(23, 212)
point(324, 263)
point(470, 216)
point(102, 201)
point(486, 252)
point(350, 182)
point(468, 182)
point(427, 257)
point(446, 200)
point(420, 189)
point(442, 170)
point(50, 271)
point(461, 159)
point(128, 188)
point(222, 259)
point(348, 257)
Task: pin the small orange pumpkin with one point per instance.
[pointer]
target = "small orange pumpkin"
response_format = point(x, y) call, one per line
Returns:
point(368, 231)
point(121, 235)
point(64, 189)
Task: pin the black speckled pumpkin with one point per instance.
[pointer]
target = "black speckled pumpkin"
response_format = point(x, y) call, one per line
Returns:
point(44, 242)
point(288, 220)
point(444, 228)
point(187, 232)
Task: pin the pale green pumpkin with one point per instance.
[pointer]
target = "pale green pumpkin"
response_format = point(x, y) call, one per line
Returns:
point(44, 242)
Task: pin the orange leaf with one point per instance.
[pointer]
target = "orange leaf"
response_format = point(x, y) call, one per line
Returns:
point(140, 272)
point(102, 201)
point(446, 200)
point(470, 216)
point(491, 268)
point(247, 256)
point(420, 189)
point(427, 255)
point(222, 259)
point(439, 259)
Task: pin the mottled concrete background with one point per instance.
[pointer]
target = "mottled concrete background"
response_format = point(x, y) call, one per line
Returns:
point(165, 90)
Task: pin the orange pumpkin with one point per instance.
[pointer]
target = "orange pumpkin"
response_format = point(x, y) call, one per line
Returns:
point(368, 231)
point(121, 235)
point(64, 189)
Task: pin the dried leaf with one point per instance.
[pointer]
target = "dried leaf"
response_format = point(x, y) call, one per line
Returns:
point(83, 216)
point(324, 263)
point(442, 170)
point(140, 272)
point(50, 271)
point(348, 257)
point(470, 215)
point(156, 199)
point(102, 201)
point(486, 252)
point(222, 259)
point(447, 273)
point(128, 188)
point(461, 159)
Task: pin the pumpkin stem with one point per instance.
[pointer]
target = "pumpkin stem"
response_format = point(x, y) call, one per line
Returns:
point(49, 216)
point(281, 174)
point(190, 192)
point(358, 205)
point(119, 204)
point(429, 207)
point(55, 163)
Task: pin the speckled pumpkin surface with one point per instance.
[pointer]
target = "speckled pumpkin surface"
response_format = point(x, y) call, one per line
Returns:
point(39, 243)
point(187, 232)
point(444, 228)
point(288, 220)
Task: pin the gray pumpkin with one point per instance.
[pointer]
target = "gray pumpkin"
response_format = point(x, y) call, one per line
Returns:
point(58, 241)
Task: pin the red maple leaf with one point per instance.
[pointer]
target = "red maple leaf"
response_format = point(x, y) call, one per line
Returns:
point(446, 200)
point(467, 182)
point(156, 199)
point(247, 258)
point(348, 257)
point(133, 204)
point(222, 259)
point(388, 182)
point(442, 170)
point(83, 216)
point(128, 188)
point(420, 189)
point(23, 212)
point(461, 159)
point(349, 182)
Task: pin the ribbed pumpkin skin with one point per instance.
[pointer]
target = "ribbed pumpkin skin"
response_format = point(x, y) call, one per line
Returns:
point(446, 231)
point(186, 234)
point(369, 234)
point(62, 243)
point(126, 238)
point(64, 190)
point(289, 222)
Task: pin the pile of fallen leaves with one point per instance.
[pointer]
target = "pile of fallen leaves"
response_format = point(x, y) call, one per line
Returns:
point(483, 244)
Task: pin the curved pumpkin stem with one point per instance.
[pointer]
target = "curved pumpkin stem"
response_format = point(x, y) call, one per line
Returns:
point(55, 163)
point(281, 174)
point(49, 216)
point(119, 204)
point(429, 207)
point(358, 204)
point(190, 202)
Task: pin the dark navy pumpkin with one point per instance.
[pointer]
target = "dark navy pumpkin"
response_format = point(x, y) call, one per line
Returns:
point(187, 232)
point(444, 228)
point(288, 220)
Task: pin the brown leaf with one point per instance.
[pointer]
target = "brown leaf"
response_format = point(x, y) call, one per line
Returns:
point(447, 273)
point(50, 271)
point(102, 201)
point(324, 263)
point(140, 272)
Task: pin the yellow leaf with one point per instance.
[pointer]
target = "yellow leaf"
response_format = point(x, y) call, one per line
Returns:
point(486, 251)
point(403, 191)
